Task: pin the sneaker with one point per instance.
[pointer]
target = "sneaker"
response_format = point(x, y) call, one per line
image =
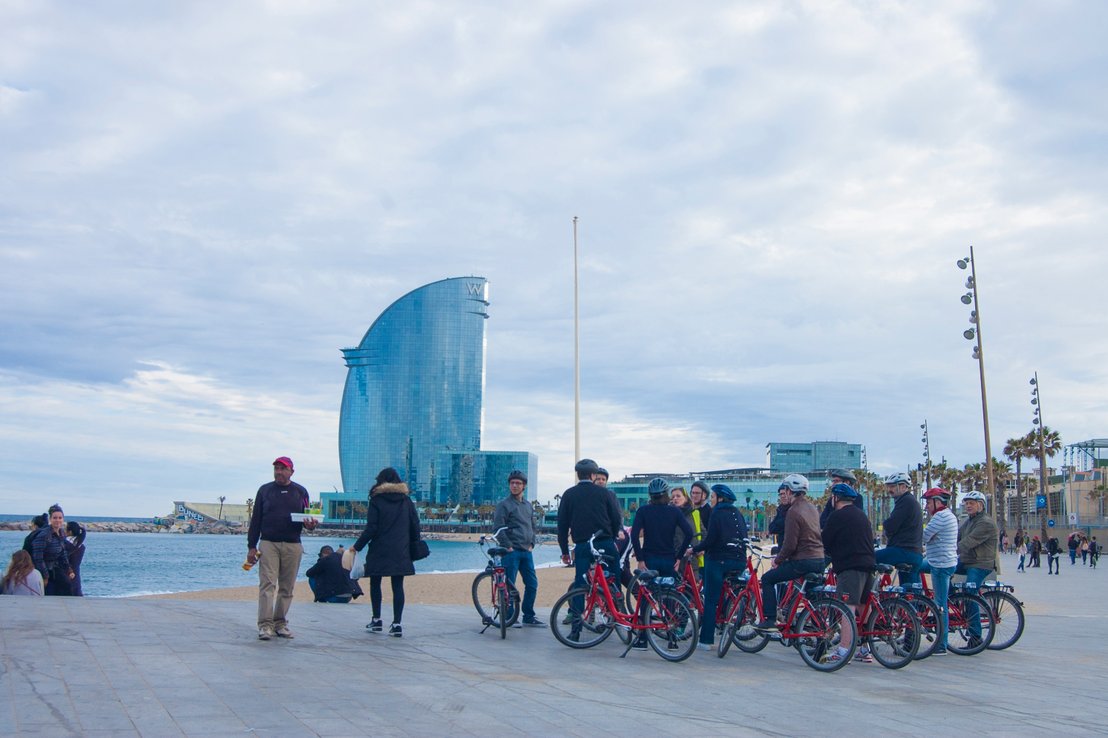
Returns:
point(534, 623)
point(836, 656)
point(396, 631)
point(284, 632)
point(862, 655)
point(939, 651)
point(640, 645)
point(265, 633)
point(767, 626)
point(517, 624)
point(375, 626)
point(705, 646)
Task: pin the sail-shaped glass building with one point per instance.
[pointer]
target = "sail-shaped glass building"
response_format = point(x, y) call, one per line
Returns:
point(415, 386)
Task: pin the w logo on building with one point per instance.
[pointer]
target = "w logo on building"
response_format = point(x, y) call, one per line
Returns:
point(475, 289)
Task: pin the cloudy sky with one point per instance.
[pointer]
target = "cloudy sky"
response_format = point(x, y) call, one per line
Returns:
point(202, 202)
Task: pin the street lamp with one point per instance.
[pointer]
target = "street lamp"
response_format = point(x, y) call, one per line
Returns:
point(926, 451)
point(1037, 420)
point(971, 298)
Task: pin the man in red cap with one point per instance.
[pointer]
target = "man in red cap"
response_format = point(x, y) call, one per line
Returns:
point(279, 549)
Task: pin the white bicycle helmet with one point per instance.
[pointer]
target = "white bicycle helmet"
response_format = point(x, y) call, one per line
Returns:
point(975, 496)
point(795, 483)
point(898, 478)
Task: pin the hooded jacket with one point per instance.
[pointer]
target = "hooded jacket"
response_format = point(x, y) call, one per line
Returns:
point(391, 525)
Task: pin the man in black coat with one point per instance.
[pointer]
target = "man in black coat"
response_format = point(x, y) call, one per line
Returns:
point(903, 529)
point(586, 508)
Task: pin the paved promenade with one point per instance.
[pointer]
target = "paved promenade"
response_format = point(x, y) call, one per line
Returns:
point(101, 667)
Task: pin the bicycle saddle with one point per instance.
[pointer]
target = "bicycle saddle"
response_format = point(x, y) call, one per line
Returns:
point(497, 551)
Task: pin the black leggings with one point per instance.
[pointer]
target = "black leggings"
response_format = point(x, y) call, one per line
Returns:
point(397, 596)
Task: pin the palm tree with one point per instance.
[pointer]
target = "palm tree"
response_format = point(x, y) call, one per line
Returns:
point(1018, 449)
point(1002, 474)
point(1048, 442)
point(1096, 494)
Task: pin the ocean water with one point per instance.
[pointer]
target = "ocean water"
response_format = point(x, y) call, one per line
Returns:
point(127, 564)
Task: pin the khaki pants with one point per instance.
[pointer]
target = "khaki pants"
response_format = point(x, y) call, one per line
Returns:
point(277, 571)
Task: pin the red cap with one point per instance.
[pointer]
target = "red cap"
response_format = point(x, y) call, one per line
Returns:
point(283, 461)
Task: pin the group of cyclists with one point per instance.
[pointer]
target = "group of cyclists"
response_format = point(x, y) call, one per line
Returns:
point(809, 540)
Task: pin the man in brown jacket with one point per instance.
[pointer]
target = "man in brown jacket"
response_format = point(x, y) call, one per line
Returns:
point(801, 550)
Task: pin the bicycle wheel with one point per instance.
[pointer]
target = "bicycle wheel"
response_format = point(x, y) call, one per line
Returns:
point(676, 639)
point(1007, 616)
point(928, 613)
point(892, 632)
point(502, 611)
point(743, 633)
point(966, 637)
point(578, 630)
point(484, 600)
point(822, 627)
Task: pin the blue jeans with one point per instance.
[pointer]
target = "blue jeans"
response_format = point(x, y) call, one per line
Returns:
point(940, 585)
point(783, 573)
point(897, 555)
point(973, 614)
point(523, 562)
point(713, 587)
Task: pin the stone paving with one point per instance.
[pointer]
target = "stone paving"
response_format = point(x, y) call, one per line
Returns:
point(123, 667)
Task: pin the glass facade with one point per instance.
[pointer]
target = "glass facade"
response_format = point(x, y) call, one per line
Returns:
point(415, 386)
point(480, 477)
point(801, 458)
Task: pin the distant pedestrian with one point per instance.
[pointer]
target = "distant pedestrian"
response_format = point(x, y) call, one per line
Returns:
point(391, 525)
point(75, 549)
point(1053, 552)
point(1094, 552)
point(518, 515)
point(1022, 551)
point(1085, 549)
point(279, 548)
point(22, 578)
point(49, 554)
point(1073, 543)
point(1036, 551)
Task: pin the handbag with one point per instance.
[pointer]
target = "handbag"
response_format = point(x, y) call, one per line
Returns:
point(419, 549)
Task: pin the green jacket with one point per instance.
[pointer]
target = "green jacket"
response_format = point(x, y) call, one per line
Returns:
point(977, 542)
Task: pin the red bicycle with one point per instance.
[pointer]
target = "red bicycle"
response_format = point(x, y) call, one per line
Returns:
point(813, 625)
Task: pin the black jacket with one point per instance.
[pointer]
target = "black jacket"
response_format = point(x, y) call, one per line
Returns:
point(848, 540)
point(331, 578)
point(904, 526)
point(270, 519)
point(391, 525)
point(723, 540)
point(586, 508)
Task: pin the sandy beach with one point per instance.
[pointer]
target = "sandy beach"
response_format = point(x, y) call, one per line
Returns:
point(421, 589)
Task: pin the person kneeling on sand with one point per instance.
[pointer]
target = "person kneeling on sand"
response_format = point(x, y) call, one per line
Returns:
point(329, 581)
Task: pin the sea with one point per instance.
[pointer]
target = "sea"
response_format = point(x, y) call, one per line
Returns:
point(130, 564)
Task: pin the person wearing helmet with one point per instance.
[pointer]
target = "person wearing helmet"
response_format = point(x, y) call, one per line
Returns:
point(976, 551)
point(724, 549)
point(654, 530)
point(516, 514)
point(586, 508)
point(840, 476)
point(656, 527)
point(848, 541)
point(600, 477)
point(903, 529)
point(801, 550)
point(941, 539)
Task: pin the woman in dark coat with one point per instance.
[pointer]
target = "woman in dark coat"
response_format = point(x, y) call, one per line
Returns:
point(391, 525)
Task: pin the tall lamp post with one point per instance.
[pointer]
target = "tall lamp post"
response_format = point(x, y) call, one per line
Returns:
point(576, 358)
point(926, 452)
point(1037, 420)
point(970, 298)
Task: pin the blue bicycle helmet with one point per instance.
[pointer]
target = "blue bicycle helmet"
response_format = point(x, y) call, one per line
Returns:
point(724, 492)
point(844, 491)
point(658, 487)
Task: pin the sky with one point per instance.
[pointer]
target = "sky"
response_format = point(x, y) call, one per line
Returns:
point(201, 203)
